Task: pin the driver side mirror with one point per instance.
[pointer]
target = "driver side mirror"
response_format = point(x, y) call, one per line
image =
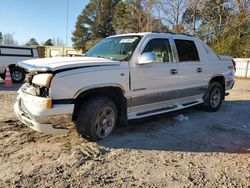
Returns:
point(147, 58)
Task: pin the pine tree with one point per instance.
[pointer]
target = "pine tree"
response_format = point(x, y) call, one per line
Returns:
point(48, 43)
point(94, 23)
point(32, 42)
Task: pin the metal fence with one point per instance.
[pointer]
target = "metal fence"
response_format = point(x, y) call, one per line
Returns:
point(242, 67)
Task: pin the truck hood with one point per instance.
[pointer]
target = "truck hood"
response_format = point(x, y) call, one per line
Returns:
point(64, 63)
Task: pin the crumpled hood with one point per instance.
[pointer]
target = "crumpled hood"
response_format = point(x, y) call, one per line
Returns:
point(61, 63)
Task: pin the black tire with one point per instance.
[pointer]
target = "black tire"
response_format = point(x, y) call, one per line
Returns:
point(2, 76)
point(93, 119)
point(17, 75)
point(213, 97)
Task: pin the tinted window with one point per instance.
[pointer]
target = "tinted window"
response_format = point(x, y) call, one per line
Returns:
point(187, 50)
point(161, 48)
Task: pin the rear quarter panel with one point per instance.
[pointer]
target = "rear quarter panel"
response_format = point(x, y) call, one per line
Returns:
point(212, 65)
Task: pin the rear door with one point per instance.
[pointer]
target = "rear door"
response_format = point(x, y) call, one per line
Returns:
point(189, 70)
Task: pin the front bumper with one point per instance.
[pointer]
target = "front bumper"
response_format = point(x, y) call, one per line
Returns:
point(41, 119)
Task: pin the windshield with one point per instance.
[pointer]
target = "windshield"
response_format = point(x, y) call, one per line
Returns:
point(115, 48)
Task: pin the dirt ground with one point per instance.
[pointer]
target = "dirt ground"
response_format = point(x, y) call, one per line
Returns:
point(208, 150)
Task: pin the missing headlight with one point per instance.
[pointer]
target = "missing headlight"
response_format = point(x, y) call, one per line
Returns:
point(44, 92)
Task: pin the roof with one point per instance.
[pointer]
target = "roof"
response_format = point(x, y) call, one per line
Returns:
point(154, 32)
point(16, 46)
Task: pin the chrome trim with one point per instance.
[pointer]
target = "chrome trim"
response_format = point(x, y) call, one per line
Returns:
point(33, 68)
point(163, 109)
point(100, 86)
point(147, 58)
point(155, 105)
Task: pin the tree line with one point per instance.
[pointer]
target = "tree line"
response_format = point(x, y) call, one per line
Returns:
point(223, 24)
point(8, 39)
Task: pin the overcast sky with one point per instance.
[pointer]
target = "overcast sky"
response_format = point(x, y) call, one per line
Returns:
point(40, 19)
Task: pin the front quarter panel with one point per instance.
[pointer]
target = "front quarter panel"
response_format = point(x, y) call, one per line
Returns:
point(65, 85)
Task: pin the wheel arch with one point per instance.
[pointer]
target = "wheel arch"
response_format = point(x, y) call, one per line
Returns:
point(11, 66)
point(220, 79)
point(113, 91)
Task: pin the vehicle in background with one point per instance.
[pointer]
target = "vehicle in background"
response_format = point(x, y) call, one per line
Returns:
point(10, 55)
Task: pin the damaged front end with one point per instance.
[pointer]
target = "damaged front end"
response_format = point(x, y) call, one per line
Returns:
point(34, 105)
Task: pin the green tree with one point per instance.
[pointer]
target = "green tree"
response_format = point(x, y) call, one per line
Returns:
point(94, 23)
point(223, 24)
point(129, 17)
point(48, 43)
point(216, 15)
point(32, 42)
point(228, 24)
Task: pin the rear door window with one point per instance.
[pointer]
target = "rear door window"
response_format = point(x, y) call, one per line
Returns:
point(187, 50)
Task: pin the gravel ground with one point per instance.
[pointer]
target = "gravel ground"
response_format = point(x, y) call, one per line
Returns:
point(208, 150)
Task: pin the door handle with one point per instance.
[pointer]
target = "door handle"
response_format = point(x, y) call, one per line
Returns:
point(173, 71)
point(199, 70)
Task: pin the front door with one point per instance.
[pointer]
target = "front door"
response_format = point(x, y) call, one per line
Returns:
point(154, 85)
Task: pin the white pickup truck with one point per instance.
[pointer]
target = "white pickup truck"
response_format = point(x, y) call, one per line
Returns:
point(123, 77)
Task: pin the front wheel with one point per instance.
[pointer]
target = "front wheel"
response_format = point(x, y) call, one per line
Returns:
point(213, 97)
point(96, 118)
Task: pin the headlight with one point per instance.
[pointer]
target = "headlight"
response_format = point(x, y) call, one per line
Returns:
point(42, 79)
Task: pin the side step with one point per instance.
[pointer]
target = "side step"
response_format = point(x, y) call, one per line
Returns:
point(163, 109)
point(156, 110)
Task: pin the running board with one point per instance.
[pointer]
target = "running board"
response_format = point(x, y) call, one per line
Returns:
point(136, 115)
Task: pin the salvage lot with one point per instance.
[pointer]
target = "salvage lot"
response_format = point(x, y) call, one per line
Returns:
point(208, 150)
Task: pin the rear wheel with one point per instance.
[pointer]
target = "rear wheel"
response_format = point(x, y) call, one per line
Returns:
point(17, 74)
point(96, 118)
point(213, 97)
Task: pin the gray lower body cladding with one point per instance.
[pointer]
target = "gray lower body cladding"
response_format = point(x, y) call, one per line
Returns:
point(165, 96)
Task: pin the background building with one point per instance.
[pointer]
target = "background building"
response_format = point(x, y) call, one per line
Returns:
point(58, 51)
